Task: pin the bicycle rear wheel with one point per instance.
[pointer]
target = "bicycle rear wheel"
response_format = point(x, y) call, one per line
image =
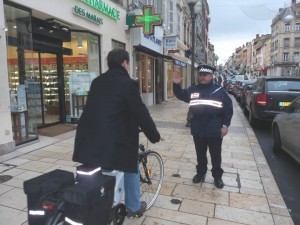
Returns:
point(57, 218)
point(151, 176)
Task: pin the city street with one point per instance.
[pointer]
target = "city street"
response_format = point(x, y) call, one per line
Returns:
point(250, 195)
point(285, 171)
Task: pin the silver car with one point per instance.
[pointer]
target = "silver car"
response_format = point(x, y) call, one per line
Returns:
point(286, 130)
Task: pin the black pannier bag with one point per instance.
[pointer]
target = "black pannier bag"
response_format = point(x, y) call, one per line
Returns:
point(89, 202)
point(86, 174)
point(45, 188)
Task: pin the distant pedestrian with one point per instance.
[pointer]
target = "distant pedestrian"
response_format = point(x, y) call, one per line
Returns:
point(212, 110)
point(220, 80)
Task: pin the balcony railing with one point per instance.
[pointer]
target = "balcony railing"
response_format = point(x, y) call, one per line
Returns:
point(290, 62)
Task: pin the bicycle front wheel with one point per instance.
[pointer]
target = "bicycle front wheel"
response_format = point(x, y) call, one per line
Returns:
point(151, 176)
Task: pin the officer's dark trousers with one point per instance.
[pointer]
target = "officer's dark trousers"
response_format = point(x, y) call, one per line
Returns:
point(214, 145)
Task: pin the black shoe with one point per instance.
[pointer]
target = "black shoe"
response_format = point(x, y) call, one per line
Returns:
point(139, 213)
point(219, 183)
point(198, 178)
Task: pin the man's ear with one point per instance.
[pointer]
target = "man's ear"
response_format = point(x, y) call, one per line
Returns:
point(123, 63)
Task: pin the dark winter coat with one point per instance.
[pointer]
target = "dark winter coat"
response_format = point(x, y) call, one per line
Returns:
point(210, 106)
point(108, 130)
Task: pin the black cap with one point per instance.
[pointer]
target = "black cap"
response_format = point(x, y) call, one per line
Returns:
point(205, 69)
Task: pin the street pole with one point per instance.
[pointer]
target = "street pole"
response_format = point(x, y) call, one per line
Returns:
point(193, 49)
point(192, 4)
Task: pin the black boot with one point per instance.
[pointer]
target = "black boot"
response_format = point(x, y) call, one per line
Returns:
point(219, 183)
point(198, 178)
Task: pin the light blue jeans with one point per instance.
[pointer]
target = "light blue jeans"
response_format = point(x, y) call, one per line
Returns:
point(132, 191)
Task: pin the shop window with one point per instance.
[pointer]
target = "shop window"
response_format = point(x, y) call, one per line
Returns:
point(144, 71)
point(80, 69)
point(170, 93)
point(117, 44)
point(20, 63)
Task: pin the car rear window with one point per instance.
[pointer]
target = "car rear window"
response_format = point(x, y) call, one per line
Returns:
point(283, 85)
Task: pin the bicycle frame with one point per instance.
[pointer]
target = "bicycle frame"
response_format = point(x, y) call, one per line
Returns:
point(143, 161)
point(119, 186)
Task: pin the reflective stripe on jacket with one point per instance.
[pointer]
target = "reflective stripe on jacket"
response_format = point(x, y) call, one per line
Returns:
point(210, 106)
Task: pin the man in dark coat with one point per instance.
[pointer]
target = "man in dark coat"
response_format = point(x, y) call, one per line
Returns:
point(211, 110)
point(108, 129)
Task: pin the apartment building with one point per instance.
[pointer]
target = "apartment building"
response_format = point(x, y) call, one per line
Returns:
point(285, 41)
point(278, 53)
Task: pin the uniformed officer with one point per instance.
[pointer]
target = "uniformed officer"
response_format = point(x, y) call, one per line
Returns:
point(212, 111)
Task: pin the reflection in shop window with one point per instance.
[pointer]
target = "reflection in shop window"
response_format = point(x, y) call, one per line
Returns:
point(144, 72)
point(20, 61)
point(117, 45)
point(80, 69)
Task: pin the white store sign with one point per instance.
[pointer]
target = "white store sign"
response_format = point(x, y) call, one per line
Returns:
point(170, 42)
point(153, 42)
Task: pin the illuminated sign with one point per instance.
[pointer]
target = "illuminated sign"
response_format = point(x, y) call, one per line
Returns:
point(148, 20)
point(87, 15)
point(103, 8)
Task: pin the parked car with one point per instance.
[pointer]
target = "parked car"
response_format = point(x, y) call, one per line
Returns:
point(230, 85)
point(226, 84)
point(245, 90)
point(237, 89)
point(286, 129)
point(240, 77)
point(234, 87)
point(270, 96)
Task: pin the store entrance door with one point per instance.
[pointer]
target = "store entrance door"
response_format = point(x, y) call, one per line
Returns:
point(47, 74)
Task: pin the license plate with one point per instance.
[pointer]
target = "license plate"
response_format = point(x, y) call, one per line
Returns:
point(284, 103)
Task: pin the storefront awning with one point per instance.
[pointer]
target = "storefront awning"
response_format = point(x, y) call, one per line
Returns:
point(148, 51)
point(180, 58)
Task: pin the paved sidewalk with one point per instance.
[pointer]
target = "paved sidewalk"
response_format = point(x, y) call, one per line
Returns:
point(250, 195)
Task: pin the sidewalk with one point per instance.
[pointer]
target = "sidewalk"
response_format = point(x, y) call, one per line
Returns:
point(250, 195)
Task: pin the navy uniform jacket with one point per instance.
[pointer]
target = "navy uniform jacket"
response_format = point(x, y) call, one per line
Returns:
point(210, 105)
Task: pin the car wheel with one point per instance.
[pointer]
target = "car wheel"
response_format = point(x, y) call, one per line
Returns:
point(251, 118)
point(276, 139)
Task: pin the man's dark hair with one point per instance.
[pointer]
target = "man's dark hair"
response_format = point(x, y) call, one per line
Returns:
point(116, 57)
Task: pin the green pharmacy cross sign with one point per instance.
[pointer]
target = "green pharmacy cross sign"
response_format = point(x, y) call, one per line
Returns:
point(148, 20)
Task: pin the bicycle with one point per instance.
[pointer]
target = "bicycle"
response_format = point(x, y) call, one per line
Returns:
point(151, 177)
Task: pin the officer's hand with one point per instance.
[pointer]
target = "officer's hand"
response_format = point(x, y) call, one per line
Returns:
point(177, 77)
point(224, 131)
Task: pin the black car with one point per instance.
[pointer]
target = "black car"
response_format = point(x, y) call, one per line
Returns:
point(269, 96)
point(244, 92)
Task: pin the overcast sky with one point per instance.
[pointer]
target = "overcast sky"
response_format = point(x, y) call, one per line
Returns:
point(235, 22)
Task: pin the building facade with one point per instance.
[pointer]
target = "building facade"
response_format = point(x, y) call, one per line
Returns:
point(278, 53)
point(53, 51)
point(285, 42)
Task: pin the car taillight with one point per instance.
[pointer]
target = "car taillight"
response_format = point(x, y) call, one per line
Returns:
point(261, 99)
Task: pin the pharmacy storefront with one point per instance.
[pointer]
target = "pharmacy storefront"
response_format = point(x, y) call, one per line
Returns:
point(54, 51)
